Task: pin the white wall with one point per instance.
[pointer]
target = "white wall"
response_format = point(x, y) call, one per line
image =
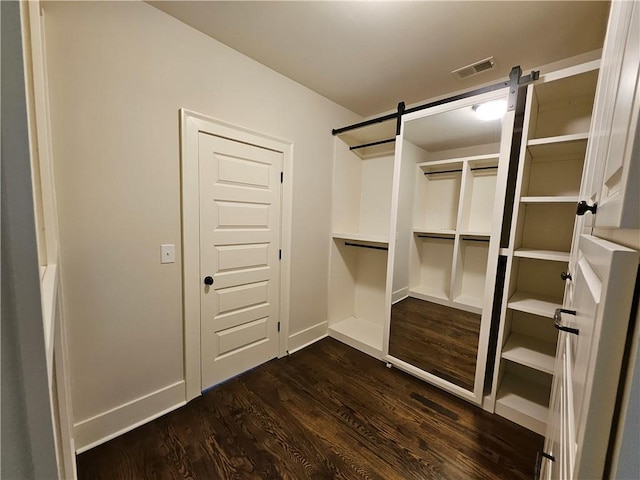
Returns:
point(119, 72)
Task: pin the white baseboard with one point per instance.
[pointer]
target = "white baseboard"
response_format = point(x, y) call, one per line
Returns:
point(103, 427)
point(306, 337)
point(399, 295)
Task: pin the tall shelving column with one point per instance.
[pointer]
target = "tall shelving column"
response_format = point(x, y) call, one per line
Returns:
point(556, 126)
point(363, 179)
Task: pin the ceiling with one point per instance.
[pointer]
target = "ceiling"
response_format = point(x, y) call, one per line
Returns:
point(370, 55)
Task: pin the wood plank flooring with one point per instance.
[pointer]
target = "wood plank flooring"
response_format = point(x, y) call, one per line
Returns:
point(437, 339)
point(326, 412)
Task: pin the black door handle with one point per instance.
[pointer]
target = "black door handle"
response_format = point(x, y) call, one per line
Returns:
point(208, 280)
point(583, 208)
point(557, 321)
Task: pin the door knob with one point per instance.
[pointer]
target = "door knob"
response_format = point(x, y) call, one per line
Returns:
point(565, 276)
point(208, 280)
point(584, 207)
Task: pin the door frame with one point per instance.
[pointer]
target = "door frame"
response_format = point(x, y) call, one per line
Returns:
point(191, 124)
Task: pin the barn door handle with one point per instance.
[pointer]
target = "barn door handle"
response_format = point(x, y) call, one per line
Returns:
point(539, 458)
point(208, 280)
point(557, 321)
point(583, 208)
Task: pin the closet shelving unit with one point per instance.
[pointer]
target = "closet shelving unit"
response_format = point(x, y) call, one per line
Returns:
point(555, 135)
point(359, 247)
point(453, 212)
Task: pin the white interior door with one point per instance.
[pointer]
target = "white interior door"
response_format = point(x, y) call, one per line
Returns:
point(589, 359)
point(239, 256)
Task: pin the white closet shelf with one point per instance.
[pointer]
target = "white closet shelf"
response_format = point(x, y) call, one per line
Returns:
point(553, 255)
point(567, 146)
point(426, 291)
point(550, 199)
point(359, 333)
point(362, 237)
point(530, 352)
point(432, 231)
point(475, 234)
point(469, 300)
point(462, 302)
point(535, 304)
point(560, 139)
point(472, 158)
point(524, 402)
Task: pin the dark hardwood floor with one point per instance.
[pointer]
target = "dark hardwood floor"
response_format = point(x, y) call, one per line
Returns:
point(437, 339)
point(326, 412)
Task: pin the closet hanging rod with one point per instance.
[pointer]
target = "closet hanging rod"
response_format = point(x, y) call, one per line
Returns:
point(494, 167)
point(451, 238)
point(435, 237)
point(366, 123)
point(372, 144)
point(443, 171)
point(374, 247)
point(459, 170)
point(384, 118)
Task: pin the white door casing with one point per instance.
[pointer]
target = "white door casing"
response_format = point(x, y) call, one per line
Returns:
point(232, 262)
point(239, 244)
point(588, 362)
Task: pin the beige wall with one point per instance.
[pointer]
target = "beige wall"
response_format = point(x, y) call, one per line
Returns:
point(119, 72)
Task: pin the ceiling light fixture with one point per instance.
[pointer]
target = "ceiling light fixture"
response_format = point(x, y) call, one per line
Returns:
point(491, 110)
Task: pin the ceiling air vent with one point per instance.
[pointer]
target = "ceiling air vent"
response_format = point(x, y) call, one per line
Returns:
point(474, 68)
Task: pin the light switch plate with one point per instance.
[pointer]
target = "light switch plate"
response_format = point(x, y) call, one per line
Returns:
point(167, 253)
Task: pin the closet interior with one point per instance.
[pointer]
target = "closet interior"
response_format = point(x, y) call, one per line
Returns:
point(362, 201)
point(431, 257)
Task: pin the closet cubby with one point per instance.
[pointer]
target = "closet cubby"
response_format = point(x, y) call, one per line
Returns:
point(531, 341)
point(438, 196)
point(432, 278)
point(540, 278)
point(471, 271)
point(362, 194)
point(479, 195)
point(554, 170)
point(561, 106)
point(524, 395)
point(357, 294)
point(544, 226)
point(361, 217)
point(555, 136)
